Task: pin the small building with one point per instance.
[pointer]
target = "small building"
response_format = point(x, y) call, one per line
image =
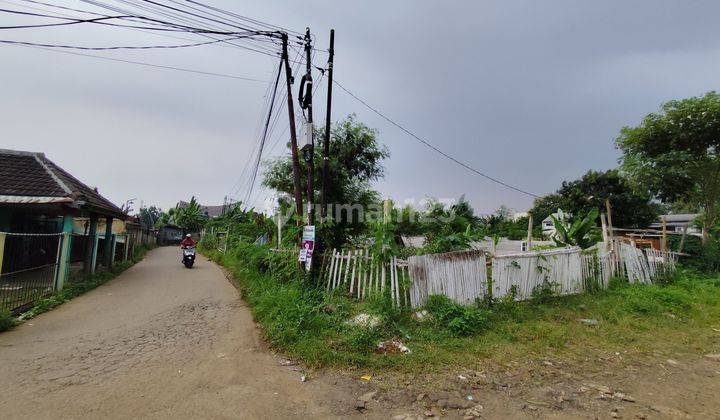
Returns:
point(677, 223)
point(170, 235)
point(652, 237)
point(548, 226)
point(39, 205)
point(211, 212)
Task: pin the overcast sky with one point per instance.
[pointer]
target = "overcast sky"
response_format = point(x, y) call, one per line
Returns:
point(532, 93)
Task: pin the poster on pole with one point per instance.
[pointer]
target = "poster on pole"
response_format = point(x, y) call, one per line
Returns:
point(307, 246)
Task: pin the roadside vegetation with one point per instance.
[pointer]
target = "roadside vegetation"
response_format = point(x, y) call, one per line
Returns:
point(77, 285)
point(302, 320)
point(680, 313)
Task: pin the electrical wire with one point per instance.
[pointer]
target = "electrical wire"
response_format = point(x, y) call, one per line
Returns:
point(152, 32)
point(243, 175)
point(237, 16)
point(102, 18)
point(160, 66)
point(128, 47)
point(431, 146)
point(172, 16)
point(265, 132)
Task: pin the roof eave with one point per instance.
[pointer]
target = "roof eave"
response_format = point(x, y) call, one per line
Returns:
point(28, 199)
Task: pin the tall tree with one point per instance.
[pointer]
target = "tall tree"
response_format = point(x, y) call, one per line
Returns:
point(675, 154)
point(355, 163)
point(149, 216)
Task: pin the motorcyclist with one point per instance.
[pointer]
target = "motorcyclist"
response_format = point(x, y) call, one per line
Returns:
point(187, 242)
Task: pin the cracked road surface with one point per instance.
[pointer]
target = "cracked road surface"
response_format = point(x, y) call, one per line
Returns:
point(159, 341)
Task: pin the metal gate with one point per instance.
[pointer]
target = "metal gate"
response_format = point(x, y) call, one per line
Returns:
point(28, 268)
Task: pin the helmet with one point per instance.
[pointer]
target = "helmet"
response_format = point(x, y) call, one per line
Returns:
point(188, 235)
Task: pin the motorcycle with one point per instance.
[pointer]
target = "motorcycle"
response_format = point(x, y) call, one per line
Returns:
point(188, 256)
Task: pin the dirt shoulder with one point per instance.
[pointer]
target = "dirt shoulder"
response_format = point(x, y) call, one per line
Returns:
point(602, 388)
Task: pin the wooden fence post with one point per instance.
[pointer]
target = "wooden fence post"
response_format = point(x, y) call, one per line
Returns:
point(529, 235)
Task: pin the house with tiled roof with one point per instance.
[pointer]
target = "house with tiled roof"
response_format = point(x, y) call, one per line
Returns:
point(40, 203)
point(30, 183)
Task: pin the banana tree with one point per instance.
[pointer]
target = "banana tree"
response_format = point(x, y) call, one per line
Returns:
point(581, 232)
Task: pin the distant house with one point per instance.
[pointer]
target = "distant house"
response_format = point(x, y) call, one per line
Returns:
point(170, 235)
point(413, 241)
point(517, 215)
point(548, 226)
point(214, 211)
point(677, 222)
point(211, 212)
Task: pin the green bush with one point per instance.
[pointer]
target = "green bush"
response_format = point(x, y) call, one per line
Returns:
point(6, 321)
point(460, 320)
point(209, 241)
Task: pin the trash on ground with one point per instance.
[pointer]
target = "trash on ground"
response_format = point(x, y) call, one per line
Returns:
point(589, 321)
point(364, 320)
point(392, 347)
point(421, 316)
point(366, 377)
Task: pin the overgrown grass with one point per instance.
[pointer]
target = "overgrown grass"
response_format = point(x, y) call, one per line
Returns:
point(6, 321)
point(303, 321)
point(79, 285)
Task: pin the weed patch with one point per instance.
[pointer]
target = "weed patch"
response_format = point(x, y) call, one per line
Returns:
point(6, 321)
point(300, 319)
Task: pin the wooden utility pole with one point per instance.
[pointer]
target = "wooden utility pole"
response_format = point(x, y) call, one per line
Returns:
point(310, 149)
point(608, 208)
point(326, 145)
point(293, 133)
point(663, 241)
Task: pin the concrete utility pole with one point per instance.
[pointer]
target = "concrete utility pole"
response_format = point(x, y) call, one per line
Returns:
point(326, 145)
point(309, 150)
point(293, 133)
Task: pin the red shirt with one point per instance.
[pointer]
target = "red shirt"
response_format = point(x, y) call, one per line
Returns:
point(187, 242)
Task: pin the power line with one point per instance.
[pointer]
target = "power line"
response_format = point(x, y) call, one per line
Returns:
point(265, 132)
point(237, 16)
point(130, 17)
point(172, 16)
point(160, 66)
point(152, 31)
point(238, 186)
point(428, 144)
point(128, 47)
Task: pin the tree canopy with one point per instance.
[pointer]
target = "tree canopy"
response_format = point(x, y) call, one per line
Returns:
point(355, 163)
point(149, 216)
point(631, 207)
point(189, 216)
point(674, 153)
